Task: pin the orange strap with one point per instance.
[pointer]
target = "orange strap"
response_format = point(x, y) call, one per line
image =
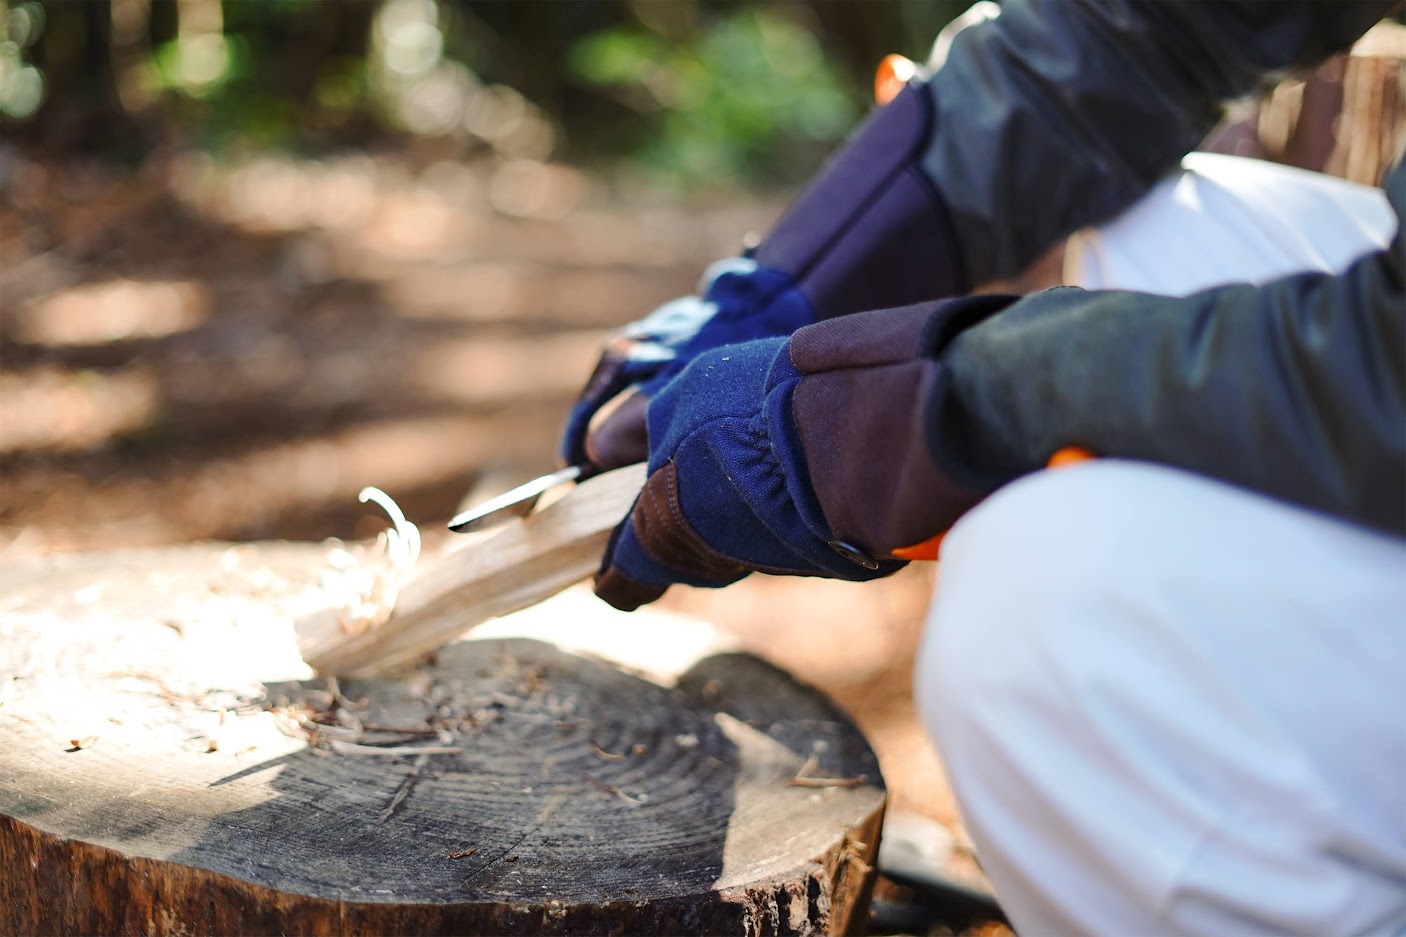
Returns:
point(1069, 455)
point(893, 73)
point(929, 549)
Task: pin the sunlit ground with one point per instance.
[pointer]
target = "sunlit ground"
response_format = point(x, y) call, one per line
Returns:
point(233, 352)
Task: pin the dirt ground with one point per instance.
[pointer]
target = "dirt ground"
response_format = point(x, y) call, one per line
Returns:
point(232, 352)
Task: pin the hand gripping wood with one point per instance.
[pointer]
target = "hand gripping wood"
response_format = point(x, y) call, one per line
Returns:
point(515, 566)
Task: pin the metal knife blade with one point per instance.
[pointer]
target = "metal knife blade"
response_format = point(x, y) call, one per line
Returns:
point(517, 502)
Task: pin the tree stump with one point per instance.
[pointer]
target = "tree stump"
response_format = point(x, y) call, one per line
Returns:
point(168, 764)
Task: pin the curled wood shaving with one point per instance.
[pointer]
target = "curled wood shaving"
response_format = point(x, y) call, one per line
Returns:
point(367, 586)
point(291, 727)
point(403, 540)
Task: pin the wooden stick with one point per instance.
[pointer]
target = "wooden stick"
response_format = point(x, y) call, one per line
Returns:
point(518, 565)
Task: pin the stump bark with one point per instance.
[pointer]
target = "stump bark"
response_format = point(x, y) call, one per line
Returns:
point(168, 764)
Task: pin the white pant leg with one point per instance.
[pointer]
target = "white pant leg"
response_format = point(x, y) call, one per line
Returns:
point(1228, 219)
point(1172, 706)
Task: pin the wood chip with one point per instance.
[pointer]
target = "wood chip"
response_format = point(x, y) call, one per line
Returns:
point(828, 782)
point(609, 789)
point(603, 754)
point(352, 748)
point(804, 778)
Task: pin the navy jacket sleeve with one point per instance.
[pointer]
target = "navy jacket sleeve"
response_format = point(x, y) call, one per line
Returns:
point(1295, 388)
point(1061, 113)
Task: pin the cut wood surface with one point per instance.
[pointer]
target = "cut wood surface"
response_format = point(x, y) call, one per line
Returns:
point(168, 764)
point(509, 568)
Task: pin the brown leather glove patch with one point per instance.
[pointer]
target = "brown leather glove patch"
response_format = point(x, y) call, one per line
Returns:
point(619, 590)
point(668, 537)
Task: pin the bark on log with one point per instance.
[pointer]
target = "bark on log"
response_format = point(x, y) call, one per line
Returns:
point(146, 785)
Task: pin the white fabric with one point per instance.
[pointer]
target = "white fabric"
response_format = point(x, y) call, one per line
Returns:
point(1228, 219)
point(1169, 706)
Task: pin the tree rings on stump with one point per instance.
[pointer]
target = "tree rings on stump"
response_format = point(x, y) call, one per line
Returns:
point(169, 765)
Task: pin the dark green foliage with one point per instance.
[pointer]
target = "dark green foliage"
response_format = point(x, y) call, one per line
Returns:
point(690, 90)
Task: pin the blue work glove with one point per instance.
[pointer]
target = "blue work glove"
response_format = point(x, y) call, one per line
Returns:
point(870, 232)
point(805, 456)
point(740, 302)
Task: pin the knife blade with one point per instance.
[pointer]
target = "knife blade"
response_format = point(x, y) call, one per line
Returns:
point(517, 502)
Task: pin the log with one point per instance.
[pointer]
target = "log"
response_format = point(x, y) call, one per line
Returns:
point(169, 764)
point(512, 567)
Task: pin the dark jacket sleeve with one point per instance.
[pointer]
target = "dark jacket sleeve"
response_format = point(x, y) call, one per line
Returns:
point(1059, 114)
point(1295, 388)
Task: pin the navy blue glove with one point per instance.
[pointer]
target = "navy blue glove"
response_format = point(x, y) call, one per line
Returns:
point(740, 302)
point(803, 456)
point(870, 232)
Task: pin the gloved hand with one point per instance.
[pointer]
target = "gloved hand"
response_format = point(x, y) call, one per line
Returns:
point(740, 302)
point(807, 455)
point(871, 232)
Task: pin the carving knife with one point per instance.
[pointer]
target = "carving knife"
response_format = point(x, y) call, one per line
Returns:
point(517, 502)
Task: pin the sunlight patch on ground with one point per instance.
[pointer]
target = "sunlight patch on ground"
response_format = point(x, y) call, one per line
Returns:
point(114, 310)
point(49, 408)
point(501, 370)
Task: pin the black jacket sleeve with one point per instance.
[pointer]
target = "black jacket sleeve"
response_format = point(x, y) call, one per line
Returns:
point(1061, 113)
point(1295, 388)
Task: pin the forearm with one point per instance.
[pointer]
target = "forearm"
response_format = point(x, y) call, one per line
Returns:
point(1296, 389)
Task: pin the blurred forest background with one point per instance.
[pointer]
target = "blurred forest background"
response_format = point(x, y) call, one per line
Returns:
point(694, 91)
point(258, 254)
point(239, 236)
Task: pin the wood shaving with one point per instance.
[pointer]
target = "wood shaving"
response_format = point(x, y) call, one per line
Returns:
point(804, 777)
point(365, 585)
point(611, 789)
point(828, 782)
point(352, 748)
point(403, 791)
point(604, 755)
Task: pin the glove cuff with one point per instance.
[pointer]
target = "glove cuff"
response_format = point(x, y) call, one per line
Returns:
point(872, 231)
point(861, 412)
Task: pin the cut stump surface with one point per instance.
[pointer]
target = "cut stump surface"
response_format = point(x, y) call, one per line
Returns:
point(169, 765)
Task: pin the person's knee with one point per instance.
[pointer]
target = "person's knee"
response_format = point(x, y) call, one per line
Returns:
point(1114, 671)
